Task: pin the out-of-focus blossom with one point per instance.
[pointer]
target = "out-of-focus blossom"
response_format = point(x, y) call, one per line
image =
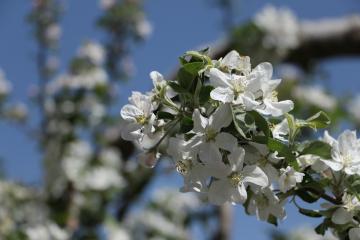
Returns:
point(315, 95)
point(46, 231)
point(143, 28)
point(100, 179)
point(5, 86)
point(93, 51)
point(87, 80)
point(354, 106)
point(280, 26)
point(53, 32)
point(106, 4)
point(18, 112)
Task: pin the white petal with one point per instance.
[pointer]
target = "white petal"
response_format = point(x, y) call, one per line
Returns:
point(347, 141)
point(157, 78)
point(231, 60)
point(200, 122)
point(328, 138)
point(276, 109)
point(218, 78)
point(209, 152)
point(236, 159)
point(341, 216)
point(221, 118)
point(264, 69)
point(239, 194)
point(226, 141)
point(222, 94)
point(354, 234)
point(255, 175)
point(131, 131)
point(336, 166)
point(129, 112)
point(219, 192)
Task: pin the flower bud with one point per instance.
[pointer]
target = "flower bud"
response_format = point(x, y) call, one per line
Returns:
point(148, 159)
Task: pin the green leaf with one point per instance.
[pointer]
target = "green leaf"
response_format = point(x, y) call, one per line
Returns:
point(293, 129)
point(307, 196)
point(185, 78)
point(165, 115)
point(194, 67)
point(186, 124)
point(319, 120)
point(243, 122)
point(176, 87)
point(272, 220)
point(204, 95)
point(321, 228)
point(283, 150)
point(260, 122)
point(310, 213)
point(318, 148)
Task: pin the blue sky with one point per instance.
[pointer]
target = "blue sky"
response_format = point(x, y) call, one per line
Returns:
point(178, 26)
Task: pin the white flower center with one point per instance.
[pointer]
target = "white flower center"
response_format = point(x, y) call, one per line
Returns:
point(235, 179)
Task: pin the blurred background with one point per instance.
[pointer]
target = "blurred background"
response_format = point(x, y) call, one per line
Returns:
point(67, 67)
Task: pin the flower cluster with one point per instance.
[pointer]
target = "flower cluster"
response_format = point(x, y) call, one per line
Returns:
point(233, 140)
point(24, 216)
point(210, 115)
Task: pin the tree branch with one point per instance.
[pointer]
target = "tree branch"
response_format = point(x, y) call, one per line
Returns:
point(319, 40)
point(225, 221)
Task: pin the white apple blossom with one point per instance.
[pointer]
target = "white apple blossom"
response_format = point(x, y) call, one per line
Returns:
point(161, 88)
point(139, 117)
point(233, 88)
point(315, 95)
point(345, 153)
point(234, 178)
point(260, 155)
point(193, 172)
point(264, 203)
point(270, 104)
point(281, 27)
point(313, 161)
point(289, 178)
point(346, 212)
point(208, 139)
point(233, 61)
